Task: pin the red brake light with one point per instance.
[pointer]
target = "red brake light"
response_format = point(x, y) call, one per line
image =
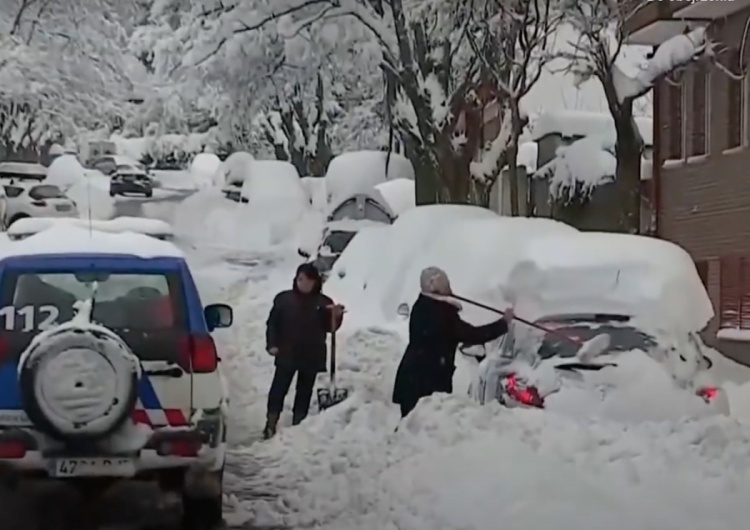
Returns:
point(12, 449)
point(527, 395)
point(708, 392)
point(199, 354)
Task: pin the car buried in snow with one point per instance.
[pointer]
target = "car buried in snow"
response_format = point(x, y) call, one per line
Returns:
point(108, 370)
point(532, 365)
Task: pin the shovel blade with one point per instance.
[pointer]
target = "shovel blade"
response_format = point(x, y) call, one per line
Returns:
point(328, 397)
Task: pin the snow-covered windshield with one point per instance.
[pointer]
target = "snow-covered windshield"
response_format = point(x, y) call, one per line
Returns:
point(337, 241)
point(580, 328)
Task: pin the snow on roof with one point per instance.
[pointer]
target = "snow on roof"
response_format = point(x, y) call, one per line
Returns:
point(399, 194)
point(154, 228)
point(647, 275)
point(23, 168)
point(71, 239)
point(358, 171)
point(572, 123)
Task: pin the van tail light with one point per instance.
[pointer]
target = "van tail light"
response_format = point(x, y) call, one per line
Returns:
point(198, 353)
point(39, 203)
point(12, 449)
point(522, 393)
point(184, 447)
point(708, 393)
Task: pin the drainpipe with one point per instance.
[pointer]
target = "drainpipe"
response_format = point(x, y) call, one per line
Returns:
point(656, 162)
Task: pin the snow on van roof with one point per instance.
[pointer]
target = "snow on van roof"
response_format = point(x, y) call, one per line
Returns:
point(150, 227)
point(571, 123)
point(23, 168)
point(648, 275)
point(72, 239)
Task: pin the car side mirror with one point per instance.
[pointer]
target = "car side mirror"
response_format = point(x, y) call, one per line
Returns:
point(302, 253)
point(218, 316)
point(403, 310)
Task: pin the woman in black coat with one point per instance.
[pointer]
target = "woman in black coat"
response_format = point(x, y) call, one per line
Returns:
point(435, 331)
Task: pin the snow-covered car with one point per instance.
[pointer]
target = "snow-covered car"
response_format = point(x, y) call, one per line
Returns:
point(108, 370)
point(111, 164)
point(334, 243)
point(37, 200)
point(518, 375)
point(22, 171)
point(130, 179)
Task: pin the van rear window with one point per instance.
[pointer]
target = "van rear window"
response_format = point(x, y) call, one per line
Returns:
point(123, 302)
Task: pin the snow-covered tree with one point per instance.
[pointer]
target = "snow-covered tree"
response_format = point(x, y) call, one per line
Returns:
point(598, 52)
point(259, 54)
point(62, 67)
point(512, 40)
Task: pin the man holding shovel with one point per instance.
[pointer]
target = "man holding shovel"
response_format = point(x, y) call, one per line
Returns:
point(296, 332)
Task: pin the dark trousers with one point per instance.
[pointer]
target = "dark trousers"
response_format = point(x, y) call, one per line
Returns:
point(406, 408)
point(282, 380)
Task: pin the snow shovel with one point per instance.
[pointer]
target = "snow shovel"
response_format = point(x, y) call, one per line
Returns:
point(586, 350)
point(332, 395)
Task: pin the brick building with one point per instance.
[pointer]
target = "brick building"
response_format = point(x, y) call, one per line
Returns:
point(701, 175)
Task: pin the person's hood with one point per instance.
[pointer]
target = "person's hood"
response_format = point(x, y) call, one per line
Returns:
point(310, 271)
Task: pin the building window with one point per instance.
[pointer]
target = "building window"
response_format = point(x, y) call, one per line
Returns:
point(736, 103)
point(734, 297)
point(698, 139)
point(674, 120)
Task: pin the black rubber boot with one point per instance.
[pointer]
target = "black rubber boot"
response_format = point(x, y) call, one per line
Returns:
point(298, 418)
point(269, 431)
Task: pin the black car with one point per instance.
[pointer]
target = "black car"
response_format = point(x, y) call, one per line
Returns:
point(130, 180)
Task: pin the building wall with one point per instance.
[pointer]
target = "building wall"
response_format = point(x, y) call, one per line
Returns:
point(705, 200)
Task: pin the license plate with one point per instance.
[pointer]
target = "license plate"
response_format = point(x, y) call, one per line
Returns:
point(62, 207)
point(94, 467)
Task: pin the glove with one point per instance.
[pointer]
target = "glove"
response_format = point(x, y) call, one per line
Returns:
point(273, 350)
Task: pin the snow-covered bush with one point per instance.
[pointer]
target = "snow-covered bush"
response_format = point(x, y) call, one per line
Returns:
point(89, 189)
point(204, 168)
point(173, 151)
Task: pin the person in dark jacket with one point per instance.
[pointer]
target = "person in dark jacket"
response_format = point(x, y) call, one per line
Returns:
point(296, 336)
point(435, 331)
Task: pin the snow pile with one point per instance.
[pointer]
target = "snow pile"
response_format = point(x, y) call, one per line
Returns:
point(454, 465)
point(399, 194)
point(234, 169)
point(527, 156)
point(204, 168)
point(359, 171)
point(316, 192)
point(133, 148)
point(621, 273)
point(476, 247)
point(88, 189)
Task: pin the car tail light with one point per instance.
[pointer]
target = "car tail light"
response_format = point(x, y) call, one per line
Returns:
point(522, 393)
point(39, 203)
point(186, 447)
point(12, 449)
point(199, 354)
point(708, 393)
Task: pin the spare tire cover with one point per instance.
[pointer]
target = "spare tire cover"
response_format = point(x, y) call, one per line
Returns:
point(78, 382)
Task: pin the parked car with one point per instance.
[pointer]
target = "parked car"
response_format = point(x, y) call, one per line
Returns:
point(35, 200)
point(334, 243)
point(22, 171)
point(508, 376)
point(111, 164)
point(129, 179)
point(125, 388)
point(233, 192)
